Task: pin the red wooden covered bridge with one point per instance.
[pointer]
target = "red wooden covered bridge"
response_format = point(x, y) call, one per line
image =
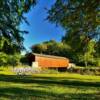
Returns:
point(48, 61)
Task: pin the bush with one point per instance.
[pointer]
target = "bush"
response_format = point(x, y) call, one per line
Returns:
point(3, 59)
point(13, 60)
point(9, 59)
point(24, 60)
point(97, 62)
point(87, 71)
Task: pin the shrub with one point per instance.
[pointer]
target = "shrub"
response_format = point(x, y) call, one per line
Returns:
point(9, 59)
point(3, 59)
point(13, 60)
point(97, 61)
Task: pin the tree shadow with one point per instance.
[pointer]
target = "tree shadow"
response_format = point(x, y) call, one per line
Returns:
point(16, 93)
point(26, 94)
point(48, 81)
point(13, 93)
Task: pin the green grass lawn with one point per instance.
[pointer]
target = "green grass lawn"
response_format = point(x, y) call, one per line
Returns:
point(64, 86)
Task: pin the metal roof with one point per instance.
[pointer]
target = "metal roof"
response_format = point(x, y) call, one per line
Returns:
point(49, 56)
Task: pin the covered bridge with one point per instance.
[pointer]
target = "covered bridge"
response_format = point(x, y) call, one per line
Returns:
point(48, 61)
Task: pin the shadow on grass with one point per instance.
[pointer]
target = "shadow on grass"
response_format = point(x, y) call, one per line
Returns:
point(45, 80)
point(21, 92)
point(13, 93)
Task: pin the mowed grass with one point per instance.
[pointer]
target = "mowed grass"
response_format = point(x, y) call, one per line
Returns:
point(60, 86)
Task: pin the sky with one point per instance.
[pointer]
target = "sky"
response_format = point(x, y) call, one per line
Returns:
point(40, 30)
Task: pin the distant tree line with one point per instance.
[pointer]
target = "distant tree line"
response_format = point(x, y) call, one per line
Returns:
point(89, 57)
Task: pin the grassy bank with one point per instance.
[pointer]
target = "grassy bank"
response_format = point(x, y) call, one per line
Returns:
point(60, 86)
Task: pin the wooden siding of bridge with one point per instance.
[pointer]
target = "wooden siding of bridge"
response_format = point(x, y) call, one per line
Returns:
point(51, 61)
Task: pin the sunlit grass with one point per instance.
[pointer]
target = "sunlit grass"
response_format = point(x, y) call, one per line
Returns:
point(6, 70)
point(59, 86)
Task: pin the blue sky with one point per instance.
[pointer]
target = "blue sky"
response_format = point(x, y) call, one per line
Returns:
point(40, 30)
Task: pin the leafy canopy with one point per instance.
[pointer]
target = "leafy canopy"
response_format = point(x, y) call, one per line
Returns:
point(77, 16)
point(11, 15)
point(81, 20)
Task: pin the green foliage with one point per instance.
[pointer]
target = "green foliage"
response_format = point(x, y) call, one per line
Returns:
point(97, 62)
point(52, 48)
point(3, 58)
point(11, 37)
point(14, 59)
point(11, 15)
point(97, 48)
point(81, 55)
point(81, 21)
point(80, 16)
point(24, 59)
point(6, 59)
point(89, 52)
point(9, 48)
point(39, 48)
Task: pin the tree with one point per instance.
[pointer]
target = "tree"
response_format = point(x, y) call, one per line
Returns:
point(13, 59)
point(79, 16)
point(11, 37)
point(80, 19)
point(11, 15)
point(39, 48)
point(3, 59)
point(89, 53)
point(97, 47)
point(52, 48)
point(9, 48)
point(9, 59)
